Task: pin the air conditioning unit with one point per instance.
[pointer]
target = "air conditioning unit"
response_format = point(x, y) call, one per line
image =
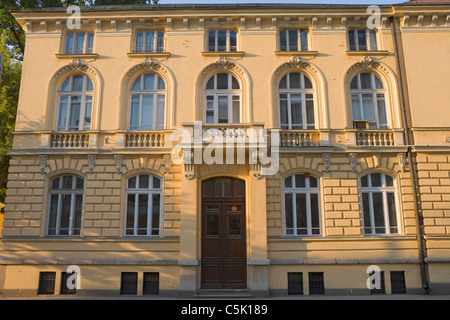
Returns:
point(360, 124)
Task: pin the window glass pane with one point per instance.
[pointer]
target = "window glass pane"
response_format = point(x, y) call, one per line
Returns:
point(376, 179)
point(288, 212)
point(140, 41)
point(156, 183)
point(236, 109)
point(207, 188)
point(134, 116)
point(283, 111)
point(313, 182)
point(55, 183)
point(65, 214)
point(354, 84)
point(89, 86)
point(373, 39)
point(75, 113)
point(301, 213)
point(310, 121)
point(356, 107)
point(77, 83)
point(366, 82)
point(62, 117)
point(210, 84)
point(389, 181)
point(239, 188)
point(304, 39)
point(223, 109)
point(368, 107)
point(294, 78)
point(392, 212)
point(222, 81)
point(144, 181)
point(69, 43)
point(366, 213)
point(378, 84)
point(293, 40)
point(351, 39)
point(378, 212)
point(283, 41)
point(79, 42)
point(365, 181)
point(209, 116)
point(224, 187)
point(132, 183)
point(283, 83)
point(149, 40)
point(131, 199)
point(80, 183)
point(296, 111)
point(308, 84)
point(160, 42)
point(300, 181)
point(212, 41)
point(149, 81)
point(87, 113)
point(362, 40)
point(77, 218)
point(67, 182)
point(221, 40)
point(382, 118)
point(52, 214)
point(233, 41)
point(90, 44)
point(288, 182)
point(65, 86)
point(161, 84)
point(315, 219)
point(142, 214)
point(147, 112)
point(137, 84)
point(234, 83)
point(234, 225)
point(160, 112)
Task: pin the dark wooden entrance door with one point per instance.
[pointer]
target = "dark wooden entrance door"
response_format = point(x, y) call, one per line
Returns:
point(224, 257)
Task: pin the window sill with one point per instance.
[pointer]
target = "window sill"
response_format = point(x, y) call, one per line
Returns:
point(148, 54)
point(76, 55)
point(379, 53)
point(238, 54)
point(296, 53)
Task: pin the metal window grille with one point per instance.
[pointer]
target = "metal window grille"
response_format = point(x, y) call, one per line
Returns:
point(316, 283)
point(151, 283)
point(46, 283)
point(398, 284)
point(64, 289)
point(128, 283)
point(295, 283)
point(382, 289)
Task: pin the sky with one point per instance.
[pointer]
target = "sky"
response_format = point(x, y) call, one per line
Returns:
point(286, 1)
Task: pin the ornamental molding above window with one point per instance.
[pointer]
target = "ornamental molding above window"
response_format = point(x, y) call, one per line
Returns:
point(296, 62)
point(368, 63)
point(76, 65)
point(147, 64)
point(223, 63)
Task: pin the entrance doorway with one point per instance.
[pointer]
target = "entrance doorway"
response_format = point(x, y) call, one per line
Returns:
point(224, 250)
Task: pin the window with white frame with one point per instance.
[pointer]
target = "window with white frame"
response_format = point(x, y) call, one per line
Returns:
point(143, 206)
point(80, 42)
point(293, 40)
point(368, 100)
point(149, 41)
point(75, 103)
point(296, 101)
point(147, 102)
point(379, 204)
point(222, 40)
point(222, 99)
point(362, 39)
point(301, 205)
point(65, 206)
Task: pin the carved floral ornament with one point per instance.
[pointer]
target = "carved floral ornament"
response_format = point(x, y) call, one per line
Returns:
point(147, 64)
point(296, 62)
point(76, 65)
point(368, 63)
point(223, 63)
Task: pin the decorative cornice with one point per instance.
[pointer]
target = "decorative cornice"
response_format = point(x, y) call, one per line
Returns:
point(367, 63)
point(223, 63)
point(75, 65)
point(296, 62)
point(147, 64)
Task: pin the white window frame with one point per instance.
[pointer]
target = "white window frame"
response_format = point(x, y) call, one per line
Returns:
point(86, 48)
point(216, 40)
point(374, 92)
point(73, 192)
point(384, 190)
point(149, 192)
point(371, 35)
point(296, 91)
point(299, 42)
point(308, 190)
point(84, 97)
point(156, 40)
point(231, 94)
point(156, 94)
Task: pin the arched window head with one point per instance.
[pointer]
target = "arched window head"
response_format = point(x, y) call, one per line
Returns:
point(143, 209)
point(65, 206)
point(75, 103)
point(222, 99)
point(296, 100)
point(379, 204)
point(301, 205)
point(368, 101)
point(148, 102)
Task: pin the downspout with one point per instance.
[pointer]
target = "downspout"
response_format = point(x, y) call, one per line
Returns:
point(412, 165)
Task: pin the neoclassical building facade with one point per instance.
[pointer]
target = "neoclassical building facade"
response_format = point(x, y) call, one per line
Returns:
point(184, 150)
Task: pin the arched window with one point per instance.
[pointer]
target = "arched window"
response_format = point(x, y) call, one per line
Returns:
point(75, 103)
point(379, 204)
point(148, 102)
point(368, 100)
point(301, 205)
point(65, 206)
point(296, 101)
point(143, 206)
point(223, 99)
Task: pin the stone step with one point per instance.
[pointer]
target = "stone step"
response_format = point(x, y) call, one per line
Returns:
point(224, 294)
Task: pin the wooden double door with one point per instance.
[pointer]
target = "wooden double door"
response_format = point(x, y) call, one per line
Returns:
point(224, 250)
